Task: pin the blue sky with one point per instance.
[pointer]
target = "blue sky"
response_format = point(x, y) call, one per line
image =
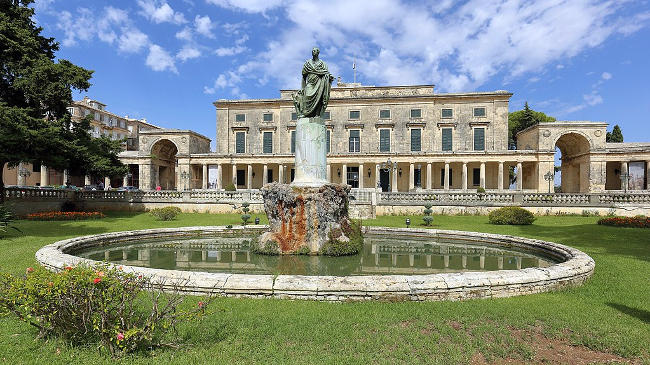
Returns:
point(168, 61)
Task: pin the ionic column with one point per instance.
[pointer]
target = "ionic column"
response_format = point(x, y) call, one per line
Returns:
point(344, 174)
point(329, 172)
point(464, 175)
point(45, 178)
point(520, 176)
point(411, 176)
point(265, 174)
point(361, 172)
point(393, 187)
point(647, 167)
point(482, 175)
point(234, 174)
point(249, 176)
point(377, 175)
point(66, 176)
point(481, 262)
point(281, 174)
point(86, 178)
point(624, 169)
point(500, 178)
point(20, 178)
point(446, 176)
point(219, 177)
point(125, 180)
point(205, 177)
point(428, 175)
point(107, 181)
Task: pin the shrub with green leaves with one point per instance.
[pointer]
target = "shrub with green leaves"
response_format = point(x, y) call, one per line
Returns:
point(6, 217)
point(230, 187)
point(245, 217)
point(480, 190)
point(427, 214)
point(336, 247)
point(101, 304)
point(512, 216)
point(166, 213)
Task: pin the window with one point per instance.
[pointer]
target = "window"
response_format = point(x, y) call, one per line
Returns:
point(447, 139)
point(241, 177)
point(269, 175)
point(327, 141)
point(294, 116)
point(417, 177)
point(355, 141)
point(384, 114)
point(384, 140)
point(86, 112)
point(240, 117)
point(416, 140)
point(240, 142)
point(447, 113)
point(267, 142)
point(355, 114)
point(71, 111)
point(36, 167)
point(476, 177)
point(268, 117)
point(416, 113)
point(327, 116)
point(293, 141)
point(96, 116)
point(353, 176)
point(442, 177)
point(479, 112)
point(479, 139)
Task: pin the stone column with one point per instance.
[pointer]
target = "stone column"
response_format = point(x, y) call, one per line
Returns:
point(234, 174)
point(66, 176)
point(265, 174)
point(205, 177)
point(647, 167)
point(361, 172)
point(107, 182)
point(219, 176)
point(428, 175)
point(446, 175)
point(281, 173)
point(624, 170)
point(45, 178)
point(377, 175)
point(464, 177)
point(344, 174)
point(411, 177)
point(329, 173)
point(86, 179)
point(249, 176)
point(125, 180)
point(482, 175)
point(500, 177)
point(520, 176)
point(393, 187)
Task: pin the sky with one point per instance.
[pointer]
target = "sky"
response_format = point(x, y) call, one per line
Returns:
point(169, 60)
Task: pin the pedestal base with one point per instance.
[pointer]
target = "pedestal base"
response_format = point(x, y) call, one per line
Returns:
point(304, 220)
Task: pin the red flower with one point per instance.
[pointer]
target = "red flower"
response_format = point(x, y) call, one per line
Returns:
point(201, 304)
point(97, 280)
point(120, 336)
point(29, 270)
point(68, 268)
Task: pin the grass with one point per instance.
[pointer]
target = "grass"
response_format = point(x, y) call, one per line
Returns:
point(610, 313)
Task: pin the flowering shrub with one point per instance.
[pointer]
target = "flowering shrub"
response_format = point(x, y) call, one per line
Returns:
point(63, 216)
point(511, 215)
point(636, 222)
point(94, 304)
point(166, 213)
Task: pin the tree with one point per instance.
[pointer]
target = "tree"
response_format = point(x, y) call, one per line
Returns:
point(615, 136)
point(522, 119)
point(35, 92)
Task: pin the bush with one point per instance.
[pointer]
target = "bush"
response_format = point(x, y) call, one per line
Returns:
point(334, 247)
point(427, 214)
point(69, 206)
point(511, 215)
point(245, 217)
point(63, 216)
point(86, 305)
point(480, 190)
point(634, 222)
point(6, 217)
point(230, 187)
point(166, 213)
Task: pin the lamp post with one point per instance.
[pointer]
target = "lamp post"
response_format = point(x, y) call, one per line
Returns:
point(625, 177)
point(23, 173)
point(390, 165)
point(185, 176)
point(549, 177)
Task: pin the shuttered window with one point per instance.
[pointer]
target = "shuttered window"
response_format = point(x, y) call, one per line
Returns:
point(384, 114)
point(447, 139)
point(326, 116)
point(355, 114)
point(384, 140)
point(447, 113)
point(476, 177)
point(355, 141)
point(240, 117)
point(294, 116)
point(267, 142)
point(293, 141)
point(327, 140)
point(479, 139)
point(416, 113)
point(479, 112)
point(416, 140)
point(268, 117)
point(240, 142)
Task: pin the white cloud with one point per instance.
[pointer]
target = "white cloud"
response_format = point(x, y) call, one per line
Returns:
point(204, 26)
point(229, 51)
point(188, 52)
point(606, 76)
point(162, 13)
point(251, 6)
point(185, 34)
point(132, 40)
point(593, 98)
point(159, 59)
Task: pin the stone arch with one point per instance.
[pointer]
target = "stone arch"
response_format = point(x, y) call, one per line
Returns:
point(574, 148)
point(163, 159)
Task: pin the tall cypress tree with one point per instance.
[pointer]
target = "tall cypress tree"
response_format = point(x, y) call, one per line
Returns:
point(615, 136)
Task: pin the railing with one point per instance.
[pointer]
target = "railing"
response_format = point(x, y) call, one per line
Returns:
point(37, 194)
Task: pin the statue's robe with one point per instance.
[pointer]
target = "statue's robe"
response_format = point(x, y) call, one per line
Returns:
point(316, 86)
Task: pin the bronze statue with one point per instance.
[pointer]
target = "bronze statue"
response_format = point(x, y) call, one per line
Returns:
point(311, 100)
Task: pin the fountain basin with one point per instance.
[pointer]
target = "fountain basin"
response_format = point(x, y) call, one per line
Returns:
point(567, 267)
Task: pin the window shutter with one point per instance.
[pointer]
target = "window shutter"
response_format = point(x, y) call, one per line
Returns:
point(479, 139)
point(447, 139)
point(240, 142)
point(293, 141)
point(268, 142)
point(384, 140)
point(476, 177)
point(327, 140)
point(416, 140)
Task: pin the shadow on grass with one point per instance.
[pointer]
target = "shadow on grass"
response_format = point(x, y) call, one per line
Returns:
point(641, 314)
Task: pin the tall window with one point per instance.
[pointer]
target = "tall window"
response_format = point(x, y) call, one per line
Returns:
point(240, 142)
point(479, 112)
point(416, 113)
point(447, 113)
point(384, 140)
point(416, 140)
point(355, 141)
point(384, 114)
point(267, 142)
point(294, 116)
point(479, 139)
point(354, 114)
point(268, 117)
point(240, 117)
point(328, 141)
point(353, 176)
point(476, 177)
point(442, 177)
point(293, 141)
point(327, 116)
point(417, 177)
point(447, 139)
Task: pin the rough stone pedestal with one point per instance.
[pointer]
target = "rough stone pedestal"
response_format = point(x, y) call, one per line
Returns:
point(311, 164)
point(302, 219)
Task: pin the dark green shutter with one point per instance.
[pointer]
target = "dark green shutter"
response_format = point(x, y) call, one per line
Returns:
point(384, 140)
point(327, 140)
point(294, 116)
point(447, 113)
point(384, 114)
point(416, 113)
point(240, 117)
point(326, 116)
point(240, 142)
point(479, 139)
point(447, 139)
point(268, 117)
point(416, 140)
point(268, 142)
point(476, 177)
point(293, 141)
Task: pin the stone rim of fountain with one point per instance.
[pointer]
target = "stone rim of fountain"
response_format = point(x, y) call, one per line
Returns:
point(574, 270)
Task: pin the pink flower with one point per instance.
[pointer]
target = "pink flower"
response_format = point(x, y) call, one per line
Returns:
point(100, 273)
point(29, 270)
point(120, 336)
point(97, 280)
point(68, 268)
point(201, 304)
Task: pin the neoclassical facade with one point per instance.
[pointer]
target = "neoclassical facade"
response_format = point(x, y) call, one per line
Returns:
point(393, 138)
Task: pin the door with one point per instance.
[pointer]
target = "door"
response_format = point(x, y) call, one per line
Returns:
point(384, 179)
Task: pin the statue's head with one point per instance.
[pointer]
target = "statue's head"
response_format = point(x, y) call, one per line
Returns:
point(315, 51)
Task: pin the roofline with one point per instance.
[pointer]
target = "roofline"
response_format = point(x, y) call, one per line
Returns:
point(174, 131)
point(564, 123)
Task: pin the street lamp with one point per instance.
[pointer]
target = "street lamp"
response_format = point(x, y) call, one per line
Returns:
point(185, 176)
point(388, 165)
point(549, 177)
point(24, 173)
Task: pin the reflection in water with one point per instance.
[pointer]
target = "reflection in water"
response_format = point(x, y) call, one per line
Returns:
point(380, 255)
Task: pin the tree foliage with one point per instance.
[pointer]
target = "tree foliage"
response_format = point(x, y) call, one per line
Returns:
point(616, 135)
point(522, 119)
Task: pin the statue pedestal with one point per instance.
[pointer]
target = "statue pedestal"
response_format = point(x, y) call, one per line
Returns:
point(311, 150)
point(303, 219)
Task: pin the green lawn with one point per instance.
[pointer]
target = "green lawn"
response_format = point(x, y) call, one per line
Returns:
point(610, 313)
